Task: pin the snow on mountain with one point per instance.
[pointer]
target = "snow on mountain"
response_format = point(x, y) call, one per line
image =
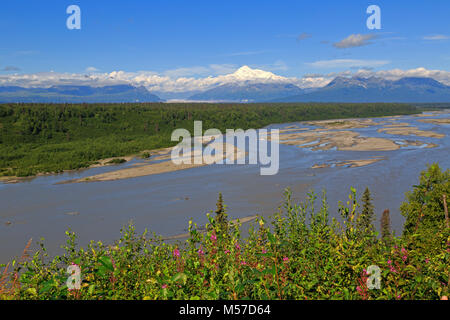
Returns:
point(245, 73)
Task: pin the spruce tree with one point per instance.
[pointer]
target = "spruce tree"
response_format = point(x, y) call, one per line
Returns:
point(367, 215)
point(385, 225)
point(221, 217)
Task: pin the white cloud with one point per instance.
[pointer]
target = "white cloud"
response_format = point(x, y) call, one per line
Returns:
point(320, 80)
point(91, 69)
point(161, 82)
point(354, 40)
point(436, 37)
point(347, 63)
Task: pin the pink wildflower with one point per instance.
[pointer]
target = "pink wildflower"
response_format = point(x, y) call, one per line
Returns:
point(286, 259)
point(176, 253)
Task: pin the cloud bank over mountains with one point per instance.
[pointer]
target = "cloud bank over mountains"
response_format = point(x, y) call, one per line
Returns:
point(178, 80)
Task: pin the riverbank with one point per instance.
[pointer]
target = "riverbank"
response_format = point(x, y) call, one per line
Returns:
point(41, 139)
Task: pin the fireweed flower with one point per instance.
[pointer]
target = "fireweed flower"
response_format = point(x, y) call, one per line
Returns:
point(286, 259)
point(238, 247)
point(427, 260)
point(227, 251)
point(264, 250)
point(201, 252)
point(164, 286)
point(176, 253)
point(213, 237)
point(243, 263)
point(389, 261)
point(404, 258)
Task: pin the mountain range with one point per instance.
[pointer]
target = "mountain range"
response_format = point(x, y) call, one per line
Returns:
point(373, 89)
point(77, 94)
point(245, 85)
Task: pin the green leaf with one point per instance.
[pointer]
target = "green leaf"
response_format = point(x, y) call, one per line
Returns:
point(106, 262)
point(91, 289)
point(46, 286)
point(180, 276)
point(271, 238)
point(271, 270)
point(267, 254)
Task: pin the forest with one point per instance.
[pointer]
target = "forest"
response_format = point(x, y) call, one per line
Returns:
point(51, 138)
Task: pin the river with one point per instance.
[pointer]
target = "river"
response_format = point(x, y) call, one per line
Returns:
point(164, 203)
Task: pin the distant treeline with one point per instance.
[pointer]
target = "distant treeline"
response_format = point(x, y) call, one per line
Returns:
point(433, 106)
point(36, 138)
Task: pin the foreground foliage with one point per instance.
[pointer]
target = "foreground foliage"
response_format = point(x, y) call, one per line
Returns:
point(52, 138)
point(303, 255)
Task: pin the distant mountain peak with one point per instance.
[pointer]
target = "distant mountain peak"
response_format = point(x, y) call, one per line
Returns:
point(245, 73)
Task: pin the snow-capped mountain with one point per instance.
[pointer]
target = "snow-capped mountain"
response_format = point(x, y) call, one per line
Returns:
point(248, 92)
point(243, 85)
point(249, 85)
point(245, 73)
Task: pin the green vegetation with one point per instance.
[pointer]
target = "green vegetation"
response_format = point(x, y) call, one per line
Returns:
point(303, 255)
point(36, 138)
point(425, 204)
point(116, 161)
point(367, 215)
point(385, 224)
point(432, 106)
point(145, 155)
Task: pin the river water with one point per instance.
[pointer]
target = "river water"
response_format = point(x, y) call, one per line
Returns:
point(164, 203)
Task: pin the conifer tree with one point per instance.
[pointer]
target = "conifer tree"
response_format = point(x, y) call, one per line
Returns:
point(221, 216)
point(367, 216)
point(385, 225)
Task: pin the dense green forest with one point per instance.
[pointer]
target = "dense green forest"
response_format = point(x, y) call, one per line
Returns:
point(296, 254)
point(36, 138)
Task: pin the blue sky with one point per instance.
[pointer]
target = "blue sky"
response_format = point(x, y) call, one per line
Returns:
point(201, 38)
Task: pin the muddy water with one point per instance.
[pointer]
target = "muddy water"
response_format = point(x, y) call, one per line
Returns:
point(164, 203)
